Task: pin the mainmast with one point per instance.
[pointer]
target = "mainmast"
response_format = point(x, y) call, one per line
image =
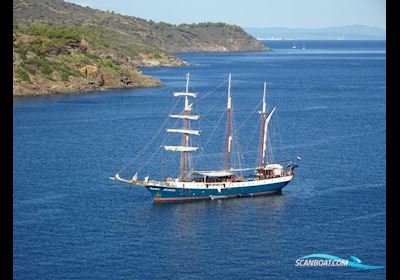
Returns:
point(228, 125)
point(264, 126)
point(185, 131)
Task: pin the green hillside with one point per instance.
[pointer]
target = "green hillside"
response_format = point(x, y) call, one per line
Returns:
point(63, 47)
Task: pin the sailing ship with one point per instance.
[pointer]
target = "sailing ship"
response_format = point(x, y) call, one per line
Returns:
point(294, 45)
point(265, 178)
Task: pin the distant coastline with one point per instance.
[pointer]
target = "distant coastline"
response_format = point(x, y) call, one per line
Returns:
point(350, 32)
point(302, 39)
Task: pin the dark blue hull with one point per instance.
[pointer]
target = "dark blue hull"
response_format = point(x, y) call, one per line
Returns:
point(165, 194)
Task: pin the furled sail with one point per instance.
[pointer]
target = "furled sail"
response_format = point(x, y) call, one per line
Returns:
point(219, 173)
point(266, 130)
point(187, 117)
point(192, 94)
point(185, 131)
point(180, 148)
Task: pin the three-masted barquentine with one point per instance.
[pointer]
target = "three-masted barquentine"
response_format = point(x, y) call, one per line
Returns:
point(266, 178)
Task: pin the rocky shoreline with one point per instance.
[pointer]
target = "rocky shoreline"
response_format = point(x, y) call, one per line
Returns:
point(79, 87)
point(44, 66)
point(92, 79)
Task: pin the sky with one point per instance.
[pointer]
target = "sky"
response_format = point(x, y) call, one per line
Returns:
point(252, 13)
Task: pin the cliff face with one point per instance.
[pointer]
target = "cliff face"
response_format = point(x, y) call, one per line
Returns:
point(63, 47)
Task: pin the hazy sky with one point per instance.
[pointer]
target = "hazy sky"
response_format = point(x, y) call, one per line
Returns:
point(252, 13)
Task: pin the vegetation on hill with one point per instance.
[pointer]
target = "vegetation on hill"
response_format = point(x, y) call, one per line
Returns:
point(53, 59)
point(63, 47)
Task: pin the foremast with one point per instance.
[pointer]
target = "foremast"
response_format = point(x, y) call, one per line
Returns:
point(185, 130)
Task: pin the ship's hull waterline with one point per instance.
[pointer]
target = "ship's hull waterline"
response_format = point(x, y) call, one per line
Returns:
point(166, 194)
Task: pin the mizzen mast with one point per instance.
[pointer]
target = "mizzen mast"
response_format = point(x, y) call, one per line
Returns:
point(185, 130)
point(264, 126)
point(263, 119)
point(228, 125)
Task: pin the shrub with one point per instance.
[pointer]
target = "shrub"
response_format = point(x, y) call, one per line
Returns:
point(21, 73)
point(64, 35)
point(44, 66)
point(64, 76)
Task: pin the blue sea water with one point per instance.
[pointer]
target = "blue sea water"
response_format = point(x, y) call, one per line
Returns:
point(72, 222)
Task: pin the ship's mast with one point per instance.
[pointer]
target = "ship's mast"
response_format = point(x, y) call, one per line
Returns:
point(264, 127)
point(228, 125)
point(185, 131)
point(185, 136)
point(263, 119)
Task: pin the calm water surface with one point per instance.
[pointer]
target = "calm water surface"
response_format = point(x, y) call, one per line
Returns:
point(72, 222)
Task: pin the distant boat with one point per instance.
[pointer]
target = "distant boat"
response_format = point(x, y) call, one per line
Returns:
point(265, 178)
point(304, 46)
point(294, 45)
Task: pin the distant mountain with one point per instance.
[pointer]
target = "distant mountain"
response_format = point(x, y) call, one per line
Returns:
point(348, 32)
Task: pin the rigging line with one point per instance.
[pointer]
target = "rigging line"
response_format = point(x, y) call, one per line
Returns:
point(155, 152)
point(204, 118)
point(209, 122)
point(203, 150)
point(197, 111)
point(162, 164)
point(215, 129)
point(189, 156)
point(207, 94)
point(210, 108)
point(151, 140)
point(234, 147)
point(244, 122)
point(232, 141)
point(271, 153)
point(211, 91)
point(256, 129)
point(249, 141)
point(236, 141)
point(151, 157)
point(193, 158)
point(283, 154)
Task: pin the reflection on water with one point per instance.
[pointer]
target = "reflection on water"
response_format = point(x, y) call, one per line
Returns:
point(189, 219)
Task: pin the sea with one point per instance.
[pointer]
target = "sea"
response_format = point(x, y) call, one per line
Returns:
point(70, 221)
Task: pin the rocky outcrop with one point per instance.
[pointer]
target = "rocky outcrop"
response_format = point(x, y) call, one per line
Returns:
point(39, 70)
point(42, 86)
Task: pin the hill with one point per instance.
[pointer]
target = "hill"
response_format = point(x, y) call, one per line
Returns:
point(64, 47)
